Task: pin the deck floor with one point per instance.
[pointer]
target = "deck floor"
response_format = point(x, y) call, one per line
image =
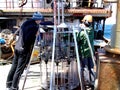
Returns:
point(34, 80)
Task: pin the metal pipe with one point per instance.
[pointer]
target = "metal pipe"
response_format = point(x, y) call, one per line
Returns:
point(91, 51)
point(40, 48)
point(58, 7)
point(78, 59)
point(53, 50)
point(28, 66)
point(98, 73)
point(103, 26)
point(40, 72)
point(12, 3)
point(57, 75)
point(6, 4)
point(62, 12)
point(32, 3)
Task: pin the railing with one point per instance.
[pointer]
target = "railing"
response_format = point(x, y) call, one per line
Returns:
point(13, 4)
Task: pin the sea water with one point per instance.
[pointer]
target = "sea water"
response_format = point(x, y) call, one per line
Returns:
point(107, 31)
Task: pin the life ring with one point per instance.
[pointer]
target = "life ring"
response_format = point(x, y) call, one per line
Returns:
point(109, 49)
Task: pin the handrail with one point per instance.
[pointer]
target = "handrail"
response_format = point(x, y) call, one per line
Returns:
point(13, 4)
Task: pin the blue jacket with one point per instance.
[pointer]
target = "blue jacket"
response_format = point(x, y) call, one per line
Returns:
point(27, 35)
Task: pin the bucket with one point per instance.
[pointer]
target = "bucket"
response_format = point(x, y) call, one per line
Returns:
point(35, 53)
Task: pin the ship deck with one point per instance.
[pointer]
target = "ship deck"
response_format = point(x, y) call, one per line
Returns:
point(105, 73)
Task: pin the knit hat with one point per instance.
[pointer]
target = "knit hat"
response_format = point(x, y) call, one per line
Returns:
point(37, 16)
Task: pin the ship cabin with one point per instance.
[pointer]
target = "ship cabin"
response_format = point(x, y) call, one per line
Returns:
point(13, 12)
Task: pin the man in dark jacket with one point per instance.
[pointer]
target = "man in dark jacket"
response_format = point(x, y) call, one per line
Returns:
point(23, 49)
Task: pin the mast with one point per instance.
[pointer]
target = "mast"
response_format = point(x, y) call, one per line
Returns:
point(115, 38)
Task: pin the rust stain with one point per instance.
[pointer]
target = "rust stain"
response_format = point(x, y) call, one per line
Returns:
point(109, 76)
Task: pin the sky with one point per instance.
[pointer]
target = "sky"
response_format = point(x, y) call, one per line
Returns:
point(112, 19)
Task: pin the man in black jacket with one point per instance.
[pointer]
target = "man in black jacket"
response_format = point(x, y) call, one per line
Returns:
point(23, 49)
